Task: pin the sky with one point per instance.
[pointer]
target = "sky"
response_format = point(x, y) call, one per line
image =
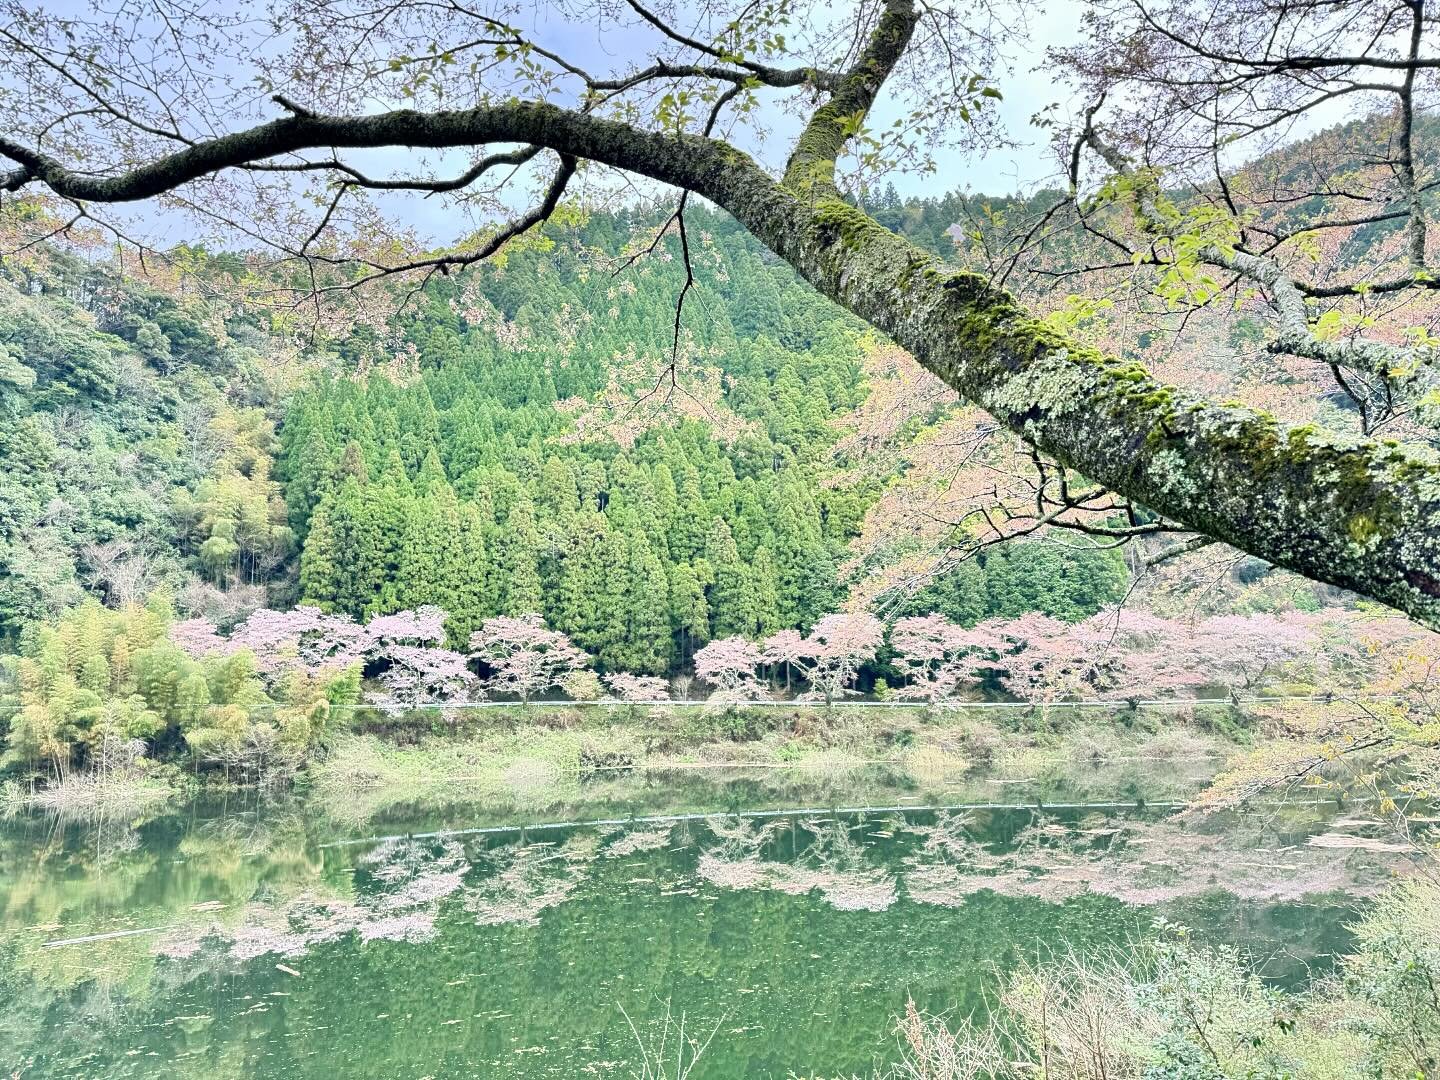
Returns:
point(1026, 89)
point(1027, 86)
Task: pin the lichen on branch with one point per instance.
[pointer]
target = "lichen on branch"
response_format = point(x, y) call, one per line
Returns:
point(1361, 514)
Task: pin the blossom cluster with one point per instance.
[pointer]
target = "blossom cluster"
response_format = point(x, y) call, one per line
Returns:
point(1117, 653)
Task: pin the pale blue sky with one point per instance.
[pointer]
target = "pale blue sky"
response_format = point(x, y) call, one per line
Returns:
point(1027, 88)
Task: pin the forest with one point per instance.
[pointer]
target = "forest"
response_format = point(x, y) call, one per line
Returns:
point(709, 539)
point(161, 453)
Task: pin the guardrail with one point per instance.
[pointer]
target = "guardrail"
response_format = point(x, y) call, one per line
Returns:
point(851, 703)
point(847, 703)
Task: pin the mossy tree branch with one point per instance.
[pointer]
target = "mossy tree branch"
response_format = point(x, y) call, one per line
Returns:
point(811, 168)
point(1364, 515)
point(1408, 370)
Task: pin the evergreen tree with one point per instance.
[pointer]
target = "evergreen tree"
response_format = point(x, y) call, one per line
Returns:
point(804, 569)
point(731, 597)
point(431, 475)
point(689, 611)
point(691, 523)
point(519, 559)
point(645, 649)
point(319, 571)
point(473, 595)
point(380, 544)
point(443, 561)
point(572, 606)
point(766, 595)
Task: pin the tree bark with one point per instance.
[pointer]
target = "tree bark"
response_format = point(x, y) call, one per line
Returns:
point(1360, 514)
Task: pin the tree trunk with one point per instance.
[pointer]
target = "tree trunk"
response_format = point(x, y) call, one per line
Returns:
point(1363, 515)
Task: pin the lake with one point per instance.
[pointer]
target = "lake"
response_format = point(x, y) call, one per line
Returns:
point(785, 919)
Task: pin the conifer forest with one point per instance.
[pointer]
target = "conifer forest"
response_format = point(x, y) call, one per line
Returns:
point(700, 539)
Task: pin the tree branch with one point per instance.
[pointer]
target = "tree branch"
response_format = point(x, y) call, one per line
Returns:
point(1402, 365)
point(770, 76)
point(1358, 514)
point(811, 168)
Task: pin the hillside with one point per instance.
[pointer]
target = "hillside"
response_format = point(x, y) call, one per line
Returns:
point(135, 439)
point(517, 440)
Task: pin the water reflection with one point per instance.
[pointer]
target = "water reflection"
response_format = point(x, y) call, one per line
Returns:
point(267, 944)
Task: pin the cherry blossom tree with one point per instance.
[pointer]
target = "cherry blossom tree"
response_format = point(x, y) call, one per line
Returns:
point(936, 656)
point(405, 645)
point(418, 671)
point(423, 625)
point(729, 665)
point(1145, 656)
point(835, 649)
point(638, 689)
point(281, 641)
point(787, 649)
point(525, 657)
point(1245, 652)
point(1165, 664)
point(1130, 655)
point(423, 675)
point(1367, 648)
point(1040, 659)
point(198, 638)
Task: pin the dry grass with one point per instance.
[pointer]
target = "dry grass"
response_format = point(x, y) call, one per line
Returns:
point(541, 764)
point(1168, 1008)
point(1179, 744)
point(1023, 762)
point(528, 768)
point(833, 762)
point(668, 1051)
point(932, 1051)
point(85, 796)
point(936, 765)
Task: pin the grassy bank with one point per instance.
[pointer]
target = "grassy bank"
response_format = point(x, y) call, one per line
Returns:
point(1175, 1007)
point(528, 757)
point(533, 758)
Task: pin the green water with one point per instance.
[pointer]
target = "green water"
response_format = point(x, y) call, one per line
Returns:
point(271, 942)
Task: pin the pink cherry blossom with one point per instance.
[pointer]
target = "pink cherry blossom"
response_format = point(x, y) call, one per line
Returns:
point(302, 637)
point(638, 689)
point(198, 638)
point(424, 625)
point(729, 665)
point(420, 675)
point(524, 655)
point(836, 648)
point(938, 657)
